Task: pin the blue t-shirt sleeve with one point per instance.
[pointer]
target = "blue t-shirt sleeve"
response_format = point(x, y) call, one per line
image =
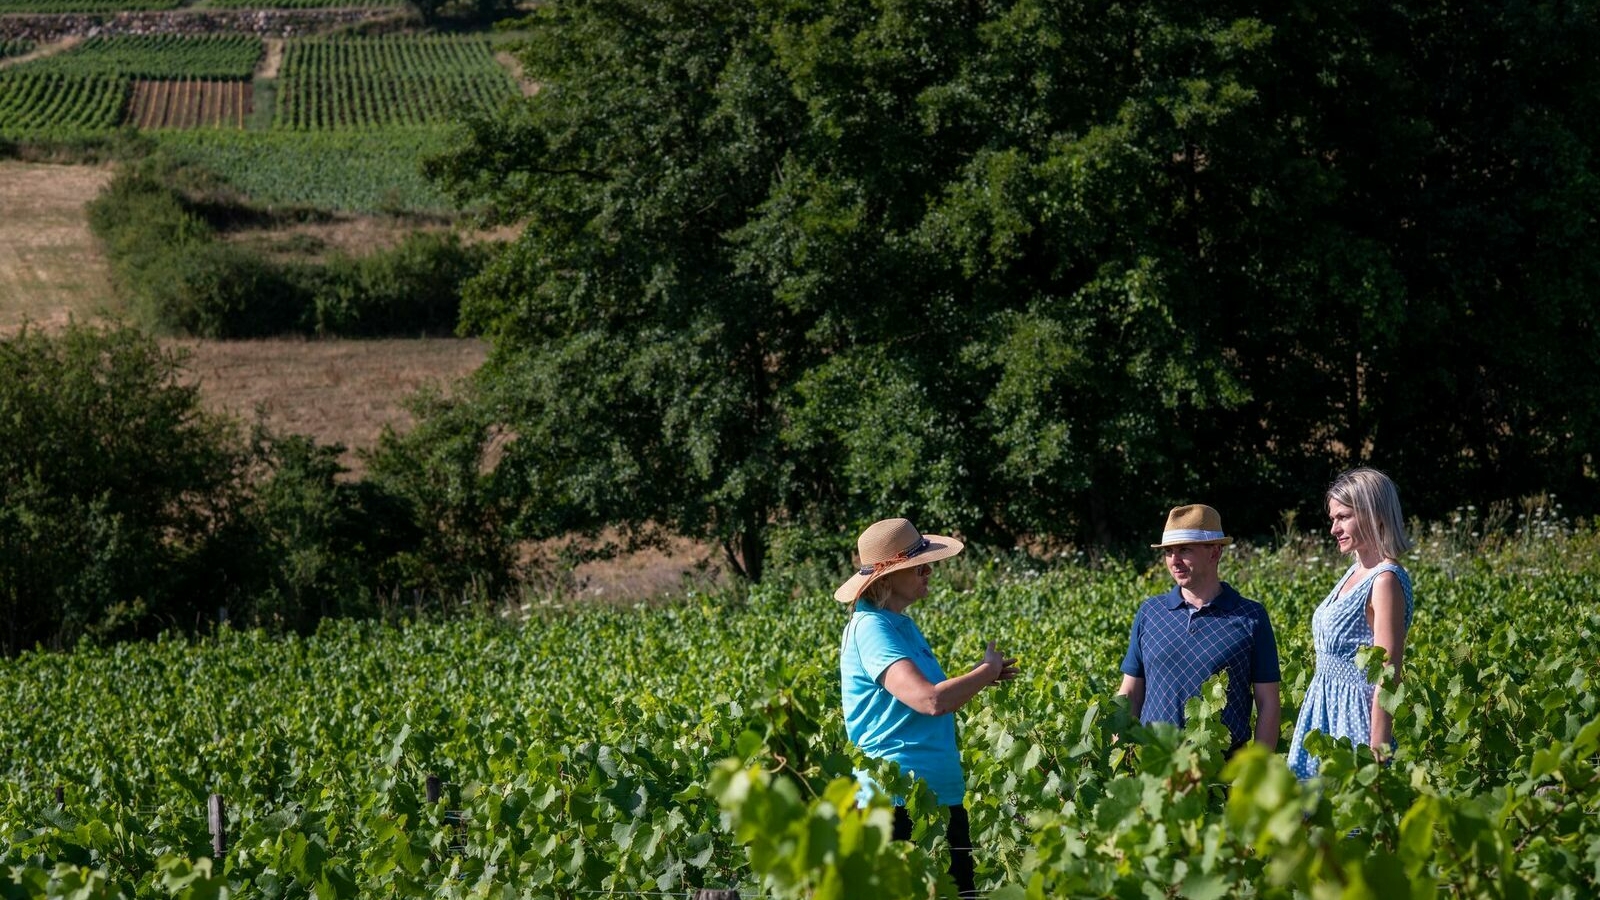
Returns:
point(1264, 656)
point(1133, 662)
point(879, 644)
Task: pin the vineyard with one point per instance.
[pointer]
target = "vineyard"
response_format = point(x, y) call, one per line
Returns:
point(14, 47)
point(189, 103)
point(698, 744)
point(214, 57)
point(85, 6)
point(300, 4)
point(365, 83)
point(343, 125)
point(48, 103)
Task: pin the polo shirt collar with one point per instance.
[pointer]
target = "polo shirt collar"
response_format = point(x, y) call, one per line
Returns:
point(1228, 599)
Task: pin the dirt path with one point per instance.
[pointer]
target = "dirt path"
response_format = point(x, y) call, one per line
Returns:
point(51, 267)
point(272, 59)
point(43, 50)
point(514, 66)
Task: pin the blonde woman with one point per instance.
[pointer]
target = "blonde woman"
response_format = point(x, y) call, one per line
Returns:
point(898, 704)
point(1369, 606)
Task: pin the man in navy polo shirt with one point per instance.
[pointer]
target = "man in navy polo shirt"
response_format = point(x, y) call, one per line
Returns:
point(1199, 628)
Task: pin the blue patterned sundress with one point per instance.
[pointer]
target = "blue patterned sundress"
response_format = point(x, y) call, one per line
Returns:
point(1339, 699)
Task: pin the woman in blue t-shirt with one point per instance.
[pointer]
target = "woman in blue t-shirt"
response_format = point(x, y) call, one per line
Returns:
point(898, 704)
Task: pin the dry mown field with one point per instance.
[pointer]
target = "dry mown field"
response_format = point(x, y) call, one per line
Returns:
point(337, 391)
point(51, 268)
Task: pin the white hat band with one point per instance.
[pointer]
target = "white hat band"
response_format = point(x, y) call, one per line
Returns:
point(1190, 536)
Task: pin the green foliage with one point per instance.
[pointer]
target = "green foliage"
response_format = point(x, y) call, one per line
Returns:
point(307, 546)
point(59, 105)
point(158, 56)
point(179, 278)
point(112, 480)
point(345, 171)
point(412, 288)
point(439, 472)
point(700, 744)
point(126, 510)
point(1037, 268)
point(390, 81)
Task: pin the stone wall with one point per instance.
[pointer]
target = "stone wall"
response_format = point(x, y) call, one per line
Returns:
point(262, 22)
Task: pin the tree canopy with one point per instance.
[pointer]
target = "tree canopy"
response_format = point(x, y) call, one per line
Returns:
point(1029, 268)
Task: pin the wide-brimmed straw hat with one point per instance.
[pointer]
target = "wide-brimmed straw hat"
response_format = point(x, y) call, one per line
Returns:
point(1193, 524)
point(889, 546)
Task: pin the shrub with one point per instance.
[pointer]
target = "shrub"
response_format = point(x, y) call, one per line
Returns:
point(308, 544)
point(160, 223)
point(413, 288)
point(112, 481)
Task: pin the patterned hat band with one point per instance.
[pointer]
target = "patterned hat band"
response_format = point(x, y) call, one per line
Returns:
point(1190, 536)
point(904, 556)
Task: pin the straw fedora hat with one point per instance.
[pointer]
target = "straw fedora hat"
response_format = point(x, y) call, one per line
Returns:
point(889, 546)
point(1193, 524)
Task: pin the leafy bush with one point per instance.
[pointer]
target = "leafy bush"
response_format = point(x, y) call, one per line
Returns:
point(440, 472)
point(412, 288)
point(125, 509)
point(308, 544)
point(160, 223)
point(112, 482)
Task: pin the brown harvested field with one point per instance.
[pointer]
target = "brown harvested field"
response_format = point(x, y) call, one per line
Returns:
point(336, 391)
point(189, 103)
point(51, 267)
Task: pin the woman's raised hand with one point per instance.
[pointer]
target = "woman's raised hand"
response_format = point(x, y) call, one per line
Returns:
point(1006, 666)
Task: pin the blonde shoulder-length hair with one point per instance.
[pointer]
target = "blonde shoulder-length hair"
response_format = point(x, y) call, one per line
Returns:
point(1376, 502)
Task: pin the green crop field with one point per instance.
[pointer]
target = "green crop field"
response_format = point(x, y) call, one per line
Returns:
point(85, 6)
point(49, 103)
point(343, 126)
point(648, 752)
point(354, 171)
point(14, 47)
point(232, 56)
point(368, 83)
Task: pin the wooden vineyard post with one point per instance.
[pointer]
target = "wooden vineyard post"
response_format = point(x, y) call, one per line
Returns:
point(709, 894)
point(432, 789)
point(61, 797)
point(219, 828)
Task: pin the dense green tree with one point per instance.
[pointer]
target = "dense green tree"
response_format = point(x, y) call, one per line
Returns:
point(1035, 267)
point(112, 480)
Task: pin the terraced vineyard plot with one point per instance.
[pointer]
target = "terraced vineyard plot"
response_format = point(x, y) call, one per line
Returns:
point(365, 83)
point(301, 4)
point(54, 103)
point(231, 56)
point(189, 103)
point(14, 47)
point(84, 6)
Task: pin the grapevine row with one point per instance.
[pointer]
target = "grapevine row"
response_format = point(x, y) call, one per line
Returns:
point(14, 47)
point(85, 6)
point(581, 754)
point(383, 82)
point(158, 56)
point(32, 102)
